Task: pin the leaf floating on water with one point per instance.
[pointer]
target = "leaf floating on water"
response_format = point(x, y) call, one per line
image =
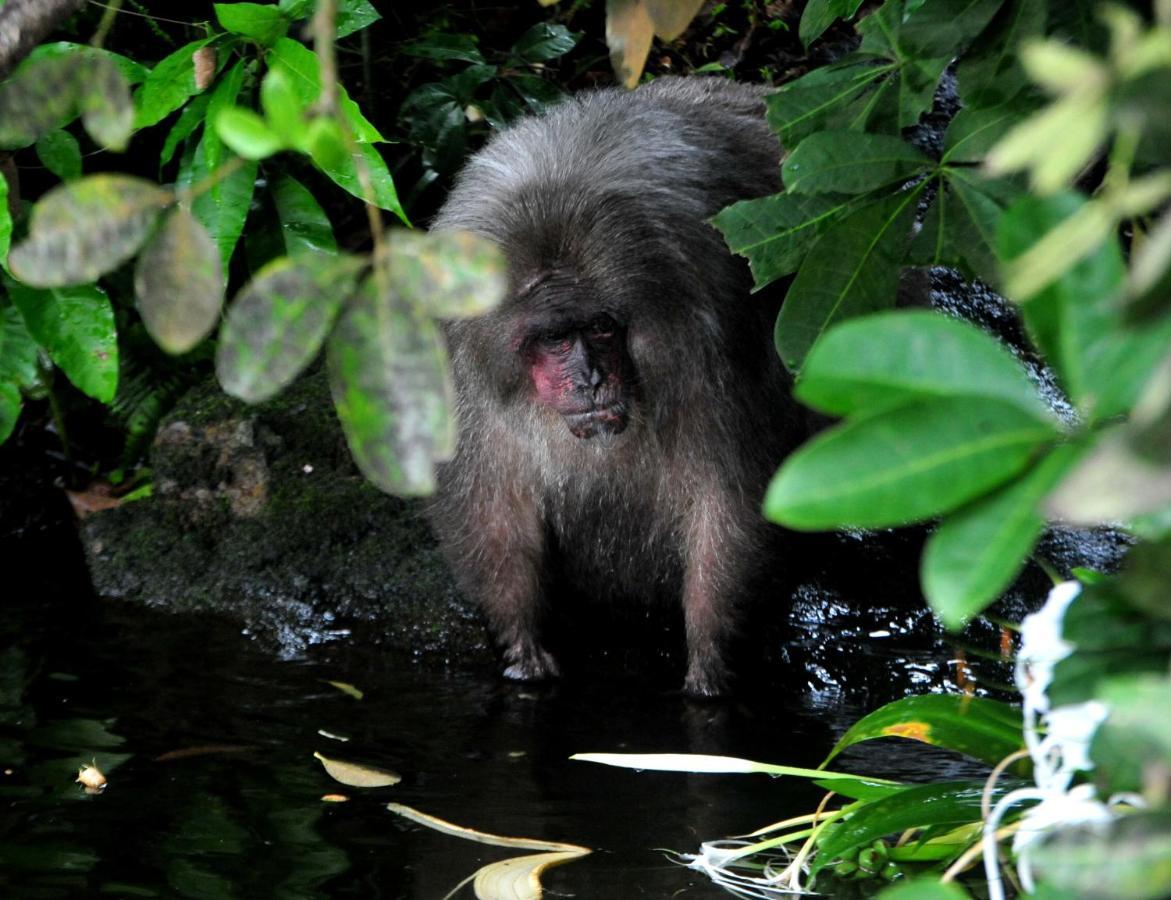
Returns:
point(334, 798)
point(91, 778)
point(356, 775)
point(518, 878)
point(347, 688)
point(202, 750)
point(332, 736)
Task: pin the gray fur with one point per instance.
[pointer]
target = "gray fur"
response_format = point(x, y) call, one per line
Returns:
point(602, 204)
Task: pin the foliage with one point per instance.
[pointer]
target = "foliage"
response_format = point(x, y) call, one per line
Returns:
point(245, 110)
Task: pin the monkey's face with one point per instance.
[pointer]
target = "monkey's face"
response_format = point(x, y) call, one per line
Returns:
point(580, 368)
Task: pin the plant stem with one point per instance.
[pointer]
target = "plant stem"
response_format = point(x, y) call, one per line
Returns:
point(109, 14)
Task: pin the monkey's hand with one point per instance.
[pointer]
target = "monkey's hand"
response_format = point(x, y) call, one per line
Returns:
point(529, 662)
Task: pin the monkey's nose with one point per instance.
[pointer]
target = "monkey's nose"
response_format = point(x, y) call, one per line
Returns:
point(595, 378)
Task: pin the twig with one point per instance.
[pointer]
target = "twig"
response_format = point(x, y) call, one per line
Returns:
point(109, 14)
point(25, 23)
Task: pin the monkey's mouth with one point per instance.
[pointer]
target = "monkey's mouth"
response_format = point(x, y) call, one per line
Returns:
point(604, 420)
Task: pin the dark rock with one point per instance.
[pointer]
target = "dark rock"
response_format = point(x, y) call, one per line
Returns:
point(259, 514)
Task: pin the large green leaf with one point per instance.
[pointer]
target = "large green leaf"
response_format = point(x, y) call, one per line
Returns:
point(189, 120)
point(18, 350)
point(973, 132)
point(852, 269)
point(354, 15)
point(60, 153)
point(943, 29)
point(891, 358)
point(168, 86)
point(978, 551)
point(1136, 736)
point(850, 162)
point(133, 72)
point(776, 232)
point(76, 326)
point(344, 171)
point(810, 103)
point(904, 465)
point(179, 283)
point(924, 889)
point(543, 42)
point(262, 22)
point(990, 72)
point(987, 730)
point(247, 134)
point(388, 376)
point(818, 15)
point(952, 803)
point(305, 228)
point(300, 64)
point(10, 405)
point(81, 230)
point(1076, 320)
point(448, 274)
point(975, 213)
point(278, 321)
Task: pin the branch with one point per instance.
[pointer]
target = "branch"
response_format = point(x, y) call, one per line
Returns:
point(25, 23)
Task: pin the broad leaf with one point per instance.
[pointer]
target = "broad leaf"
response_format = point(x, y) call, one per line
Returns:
point(18, 350)
point(776, 232)
point(76, 326)
point(81, 230)
point(973, 132)
point(807, 105)
point(300, 64)
point(987, 730)
point(191, 118)
point(60, 153)
point(388, 376)
point(543, 42)
point(354, 15)
point(990, 72)
point(179, 283)
point(926, 888)
point(344, 171)
point(852, 269)
point(247, 134)
point(904, 465)
point(10, 405)
point(305, 228)
point(892, 358)
point(283, 112)
point(943, 29)
point(449, 274)
point(168, 86)
point(278, 322)
point(975, 214)
point(263, 23)
point(818, 15)
point(976, 552)
point(357, 775)
point(132, 71)
point(444, 46)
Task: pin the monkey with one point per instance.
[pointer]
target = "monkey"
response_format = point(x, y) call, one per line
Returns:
point(620, 413)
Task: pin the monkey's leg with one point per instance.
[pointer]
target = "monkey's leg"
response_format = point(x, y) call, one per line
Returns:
point(720, 544)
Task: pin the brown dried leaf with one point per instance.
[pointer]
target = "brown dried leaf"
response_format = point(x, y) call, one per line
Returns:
point(179, 283)
point(629, 32)
point(356, 775)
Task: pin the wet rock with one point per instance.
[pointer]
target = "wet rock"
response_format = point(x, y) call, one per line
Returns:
point(259, 514)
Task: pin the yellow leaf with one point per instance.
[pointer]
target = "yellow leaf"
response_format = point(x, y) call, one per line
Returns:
point(671, 17)
point(356, 775)
point(346, 688)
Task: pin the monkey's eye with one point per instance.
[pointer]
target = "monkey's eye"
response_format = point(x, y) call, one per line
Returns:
point(602, 327)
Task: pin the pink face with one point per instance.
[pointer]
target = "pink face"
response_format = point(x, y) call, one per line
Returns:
point(583, 373)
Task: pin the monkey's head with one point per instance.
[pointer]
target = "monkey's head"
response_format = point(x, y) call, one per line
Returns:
point(576, 361)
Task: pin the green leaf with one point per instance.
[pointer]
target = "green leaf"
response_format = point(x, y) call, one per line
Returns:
point(543, 42)
point(449, 274)
point(223, 208)
point(973, 223)
point(990, 72)
point(18, 350)
point(850, 162)
point(776, 232)
point(537, 93)
point(987, 730)
point(924, 889)
point(388, 376)
point(918, 82)
point(1114, 483)
point(59, 152)
point(904, 465)
point(191, 118)
point(51, 91)
point(943, 29)
point(10, 405)
point(282, 108)
point(1076, 320)
point(973, 132)
point(179, 283)
point(132, 71)
point(1136, 736)
point(278, 321)
point(76, 326)
point(354, 15)
point(168, 86)
point(977, 552)
point(344, 173)
point(443, 46)
point(305, 228)
point(896, 357)
point(5, 222)
point(852, 269)
point(263, 23)
point(952, 803)
point(247, 134)
point(810, 103)
point(818, 15)
point(81, 230)
point(300, 64)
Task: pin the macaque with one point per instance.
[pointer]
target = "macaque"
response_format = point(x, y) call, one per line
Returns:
point(621, 412)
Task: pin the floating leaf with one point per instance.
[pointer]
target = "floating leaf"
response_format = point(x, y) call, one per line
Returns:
point(987, 730)
point(168, 86)
point(81, 230)
point(278, 321)
point(59, 152)
point(852, 269)
point(356, 775)
point(346, 688)
point(891, 358)
point(905, 464)
point(450, 274)
point(388, 376)
point(179, 283)
point(629, 32)
point(76, 326)
point(850, 162)
point(264, 23)
point(978, 551)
